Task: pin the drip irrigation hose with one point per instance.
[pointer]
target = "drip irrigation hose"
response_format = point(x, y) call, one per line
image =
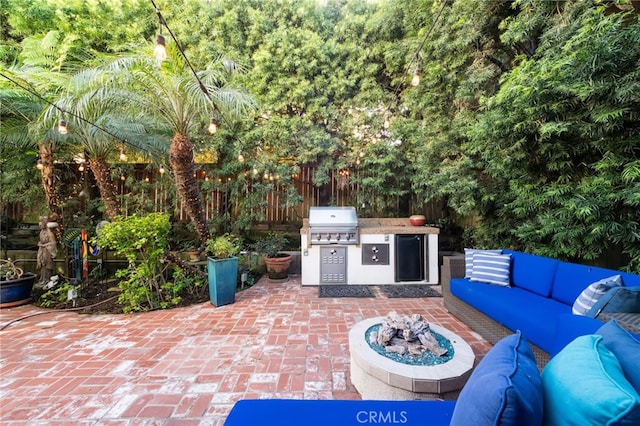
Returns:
point(79, 308)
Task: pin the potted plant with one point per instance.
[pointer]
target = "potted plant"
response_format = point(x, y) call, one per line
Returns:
point(15, 286)
point(222, 268)
point(270, 247)
point(194, 254)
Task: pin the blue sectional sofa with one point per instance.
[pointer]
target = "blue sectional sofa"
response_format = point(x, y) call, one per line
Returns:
point(538, 301)
point(593, 376)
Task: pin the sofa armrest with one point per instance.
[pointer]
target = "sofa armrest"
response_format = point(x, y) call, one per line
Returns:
point(452, 267)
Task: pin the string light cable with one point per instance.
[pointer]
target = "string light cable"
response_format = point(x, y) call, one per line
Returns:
point(416, 55)
point(203, 88)
point(63, 111)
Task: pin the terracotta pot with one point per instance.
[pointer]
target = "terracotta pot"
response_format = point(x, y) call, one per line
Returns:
point(417, 220)
point(278, 267)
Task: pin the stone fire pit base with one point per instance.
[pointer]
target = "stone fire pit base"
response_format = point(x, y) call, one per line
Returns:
point(380, 378)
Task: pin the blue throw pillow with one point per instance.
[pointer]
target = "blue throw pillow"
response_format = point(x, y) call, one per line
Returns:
point(625, 347)
point(492, 269)
point(591, 294)
point(504, 389)
point(617, 299)
point(584, 385)
point(468, 259)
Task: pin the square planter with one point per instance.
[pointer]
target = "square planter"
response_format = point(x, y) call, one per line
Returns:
point(223, 277)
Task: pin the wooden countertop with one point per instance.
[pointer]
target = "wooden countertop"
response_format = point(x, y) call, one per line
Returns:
point(383, 225)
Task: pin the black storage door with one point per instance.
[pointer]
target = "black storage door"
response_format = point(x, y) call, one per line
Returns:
point(410, 258)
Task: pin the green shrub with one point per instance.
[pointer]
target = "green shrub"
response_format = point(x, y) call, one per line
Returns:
point(142, 241)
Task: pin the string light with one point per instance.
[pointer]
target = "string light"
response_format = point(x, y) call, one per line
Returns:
point(213, 126)
point(161, 170)
point(39, 165)
point(62, 127)
point(81, 167)
point(240, 157)
point(160, 49)
point(415, 80)
point(203, 88)
point(123, 156)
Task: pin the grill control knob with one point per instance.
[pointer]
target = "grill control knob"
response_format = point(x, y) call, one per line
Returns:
point(375, 258)
point(374, 249)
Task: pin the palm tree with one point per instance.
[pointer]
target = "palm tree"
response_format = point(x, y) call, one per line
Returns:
point(170, 93)
point(43, 65)
point(98, 125)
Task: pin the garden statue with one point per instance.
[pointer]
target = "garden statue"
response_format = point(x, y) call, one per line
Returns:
point(47, 249)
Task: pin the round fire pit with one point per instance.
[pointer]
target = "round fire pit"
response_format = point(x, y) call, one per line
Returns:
point(376, 376)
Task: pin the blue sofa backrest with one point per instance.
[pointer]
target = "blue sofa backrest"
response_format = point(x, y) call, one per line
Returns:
point(562, 281)
point(533, 273)
point(571, 278)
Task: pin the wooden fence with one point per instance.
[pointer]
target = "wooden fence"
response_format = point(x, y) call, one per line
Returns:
point(341, 190)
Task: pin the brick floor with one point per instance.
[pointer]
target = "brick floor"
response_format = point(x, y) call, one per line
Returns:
point(188, 366)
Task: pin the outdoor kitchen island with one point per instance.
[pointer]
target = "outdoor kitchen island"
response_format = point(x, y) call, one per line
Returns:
point(338, 248)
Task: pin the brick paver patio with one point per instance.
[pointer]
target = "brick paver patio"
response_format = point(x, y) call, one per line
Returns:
point(188, 366)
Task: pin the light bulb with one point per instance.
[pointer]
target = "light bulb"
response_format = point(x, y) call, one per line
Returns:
point(415, 81)
point(161, 170)
point(62, 127)
point(123, 156)
point(81, 167)
point(160, 50)
point(213, 126)
point(39, 165)
point(240, 157)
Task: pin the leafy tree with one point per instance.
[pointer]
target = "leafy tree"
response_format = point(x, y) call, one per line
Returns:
point(559, 141)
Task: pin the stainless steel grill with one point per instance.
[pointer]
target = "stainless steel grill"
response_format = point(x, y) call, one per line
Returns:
point(333, 225)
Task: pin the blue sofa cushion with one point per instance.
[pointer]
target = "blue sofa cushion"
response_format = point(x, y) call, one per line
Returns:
point(292, 412)
point(533, 273)
point(569, 326)
point(468, 259)
point(515, 308)
point(625, 347)
point(584, 384)
point(492, 269)
point(571, 278)
point(504, 389)
point(593, 293)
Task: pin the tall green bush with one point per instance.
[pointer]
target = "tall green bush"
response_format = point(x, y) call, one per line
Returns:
point(142, 240)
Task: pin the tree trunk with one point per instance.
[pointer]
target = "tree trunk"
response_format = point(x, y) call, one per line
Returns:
point(108, 190)
point(49, 181)
point(182, 163)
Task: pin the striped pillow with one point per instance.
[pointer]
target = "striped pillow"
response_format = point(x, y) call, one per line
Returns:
point(468, 259)
point(591, 294)
point(492, 269)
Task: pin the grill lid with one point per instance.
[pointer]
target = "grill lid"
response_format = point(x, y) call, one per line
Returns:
point(334, 217)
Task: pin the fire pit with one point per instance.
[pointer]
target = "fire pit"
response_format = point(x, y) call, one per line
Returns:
point(389, 375)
